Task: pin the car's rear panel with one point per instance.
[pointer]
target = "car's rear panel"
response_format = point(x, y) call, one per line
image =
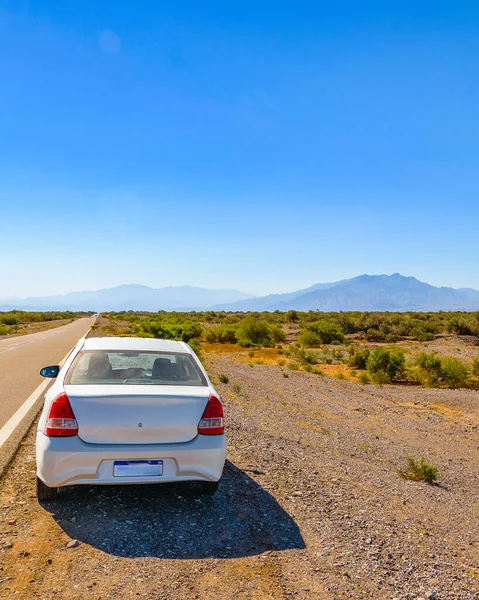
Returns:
point(70, 461)
point(137, 414)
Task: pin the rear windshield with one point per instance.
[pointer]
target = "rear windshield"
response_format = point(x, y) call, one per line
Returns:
point(138, 368)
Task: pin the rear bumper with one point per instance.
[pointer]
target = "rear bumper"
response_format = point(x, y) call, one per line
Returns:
point(69, 461)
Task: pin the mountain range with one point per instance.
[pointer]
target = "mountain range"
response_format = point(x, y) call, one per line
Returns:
point(129, 297)
point(365, 292)
point(368, 293)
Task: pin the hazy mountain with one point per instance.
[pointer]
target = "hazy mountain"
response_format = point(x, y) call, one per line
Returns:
point(272, 301)
point(366, 292)
point(129, 297)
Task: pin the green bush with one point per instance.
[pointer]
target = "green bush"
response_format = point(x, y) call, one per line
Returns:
point(210, 336)
point(4, 330)
point(223, 378)
point(419, 470)
point(310, 339)
point(258, 332)
point(306, 358)
point(364, 378)
point(475, 367)
point(169, 330)
point(386, 365)
point(421, 334)
point(226, 335)
point(453, 372)
point(190, 331)
point(10, 319)
point(358, 359)
point(429, 368)
point(277, 334)
point(194, 344)
point(291, 316)
point(374, 335)
point(464, 325)
point(325, 333)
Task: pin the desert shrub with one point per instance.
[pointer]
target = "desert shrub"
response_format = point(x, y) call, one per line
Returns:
point(223, 378)
point(168, 330)
point(364, 378)
point(429, 367)
point(453, 372)
point(475, 367)
point(358, 359)
point(257, 332)
point(194, 344)
point(277, 334)
point(190, 331)
point(4, 330)
point(291, 316)
point(419, 470)
point(421, 334)
point(310, 339)
point(338, 355)
point(326, 333)
point(381, 377)
point(391, 338)
point(305, 357)
point(226, 335)
point(210, 336)
point(386, 365)
point(464, 325)
point(236, 388)
point(374, 335)
point(10, 319)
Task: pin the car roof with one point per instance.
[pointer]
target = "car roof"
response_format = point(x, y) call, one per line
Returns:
point(132, 343)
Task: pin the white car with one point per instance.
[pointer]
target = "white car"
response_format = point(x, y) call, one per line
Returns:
point(129, 410)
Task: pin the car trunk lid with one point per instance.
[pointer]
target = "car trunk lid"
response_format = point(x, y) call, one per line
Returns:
point(137, 414)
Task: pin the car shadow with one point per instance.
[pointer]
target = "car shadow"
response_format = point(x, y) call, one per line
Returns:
point(171, 521)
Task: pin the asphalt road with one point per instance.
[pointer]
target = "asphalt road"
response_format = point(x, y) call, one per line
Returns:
point(22, 357)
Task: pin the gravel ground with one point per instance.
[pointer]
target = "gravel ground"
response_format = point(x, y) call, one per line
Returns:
point(310, 505)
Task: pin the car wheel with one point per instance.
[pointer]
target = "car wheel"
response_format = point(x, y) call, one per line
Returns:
point(207, 488)
point(44, 492)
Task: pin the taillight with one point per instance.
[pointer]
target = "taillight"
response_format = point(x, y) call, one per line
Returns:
point(211, 422)
point(61, 421)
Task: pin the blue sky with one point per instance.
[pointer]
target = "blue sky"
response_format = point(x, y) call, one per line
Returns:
point(258, 145)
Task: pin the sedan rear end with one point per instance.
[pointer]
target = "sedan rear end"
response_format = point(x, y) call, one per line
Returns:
point(128, 410)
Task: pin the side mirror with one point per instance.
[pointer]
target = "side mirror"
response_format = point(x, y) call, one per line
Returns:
point(50, 372)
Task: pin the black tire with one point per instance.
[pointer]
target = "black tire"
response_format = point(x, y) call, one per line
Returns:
point(208, 488)
point(46, 493)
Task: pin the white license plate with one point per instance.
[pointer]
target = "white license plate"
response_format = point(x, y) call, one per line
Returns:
point(137, 468)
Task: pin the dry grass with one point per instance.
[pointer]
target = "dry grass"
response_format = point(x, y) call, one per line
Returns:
point(27, 328)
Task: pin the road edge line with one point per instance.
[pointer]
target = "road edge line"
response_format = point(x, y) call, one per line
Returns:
point(21, 421)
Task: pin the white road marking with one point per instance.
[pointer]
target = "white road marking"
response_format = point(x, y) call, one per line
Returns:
point(15, 420)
